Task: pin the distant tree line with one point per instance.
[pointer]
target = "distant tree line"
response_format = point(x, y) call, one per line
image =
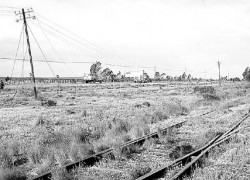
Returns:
point(182, 77)
point(107, 74)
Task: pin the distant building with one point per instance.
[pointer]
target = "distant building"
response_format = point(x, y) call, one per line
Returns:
point(137, 75)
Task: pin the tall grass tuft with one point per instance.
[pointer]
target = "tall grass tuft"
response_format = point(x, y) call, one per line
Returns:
point(12, 174)
point(139, 171)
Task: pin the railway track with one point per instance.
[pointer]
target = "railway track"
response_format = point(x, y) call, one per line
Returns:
point(156, 151)
point(184, 165)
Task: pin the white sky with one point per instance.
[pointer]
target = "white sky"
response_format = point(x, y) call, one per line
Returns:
point(168, 34)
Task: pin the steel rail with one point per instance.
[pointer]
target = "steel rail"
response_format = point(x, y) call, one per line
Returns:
point(157, 173)
point(91, 160)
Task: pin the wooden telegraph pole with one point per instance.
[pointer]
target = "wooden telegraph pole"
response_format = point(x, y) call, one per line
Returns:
point(28, 44)
point(219, 73)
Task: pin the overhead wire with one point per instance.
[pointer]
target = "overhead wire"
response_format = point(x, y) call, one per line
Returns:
point(104, 54)
point(91, 52)
point(6, 12)
point(38, 60)
point(60, 58)
point(77, 47)
point(24, 55)
point(101, 59)
point(7, 15)
point(11, 7)
point(41, 51)
point(17, 51)
point(66, 41)
point(88, 43)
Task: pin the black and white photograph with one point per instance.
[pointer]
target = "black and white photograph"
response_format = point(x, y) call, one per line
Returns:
point(124, 90)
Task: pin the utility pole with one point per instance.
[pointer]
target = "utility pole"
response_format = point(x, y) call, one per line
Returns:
point(219, 72)
point(28, 44)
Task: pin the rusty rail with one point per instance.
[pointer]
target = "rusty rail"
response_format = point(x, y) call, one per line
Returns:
point(91, 160)
point(187, 159)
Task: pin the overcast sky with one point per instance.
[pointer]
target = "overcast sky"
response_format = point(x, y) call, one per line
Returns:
point(167, 34)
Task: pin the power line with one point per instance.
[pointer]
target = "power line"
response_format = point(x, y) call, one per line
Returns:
point(91, 62)
point(73, 62)
point(60, 58)
point(89, 50)
point(88, 43)
point(72, 44)
point(41, 51)
point(17, 51)
point(66, 41)
point(7, 15)
point(58, 31)
point(80, 49)
point(11, 7)
point(6, 12)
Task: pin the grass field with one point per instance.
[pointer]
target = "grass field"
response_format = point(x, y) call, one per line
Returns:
point(67, 124)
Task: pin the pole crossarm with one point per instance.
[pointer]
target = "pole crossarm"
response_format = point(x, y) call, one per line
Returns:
point(27, 13)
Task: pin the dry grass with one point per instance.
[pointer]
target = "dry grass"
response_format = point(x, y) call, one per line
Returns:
point(139, 171)
point(12, 174)
point(61, 174)
point(104, 116)
point(204, 89)
point(40, 120)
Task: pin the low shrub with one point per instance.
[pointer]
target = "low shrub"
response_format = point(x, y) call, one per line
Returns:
point(180, 151)
point(139, 171)
point(136, 132)
point(174, 108)
point(211, 97)
point(158, 116)
point(80, 151)
point(6, 159)
point(61, 157)
point(204, 89)
point(40, 120)
point(37, 152)
point(70, 111)
point(146, 104)
point(84, 113)
point(102, 147)
point(44, 166)
point(128, 151)
point(54, 139)
point(168, 136)
point(138, 106)
point(126, 138)
point(12, 174)
point(81, 135)
point(48, 102)
point(121, 126)
point(62, 174)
